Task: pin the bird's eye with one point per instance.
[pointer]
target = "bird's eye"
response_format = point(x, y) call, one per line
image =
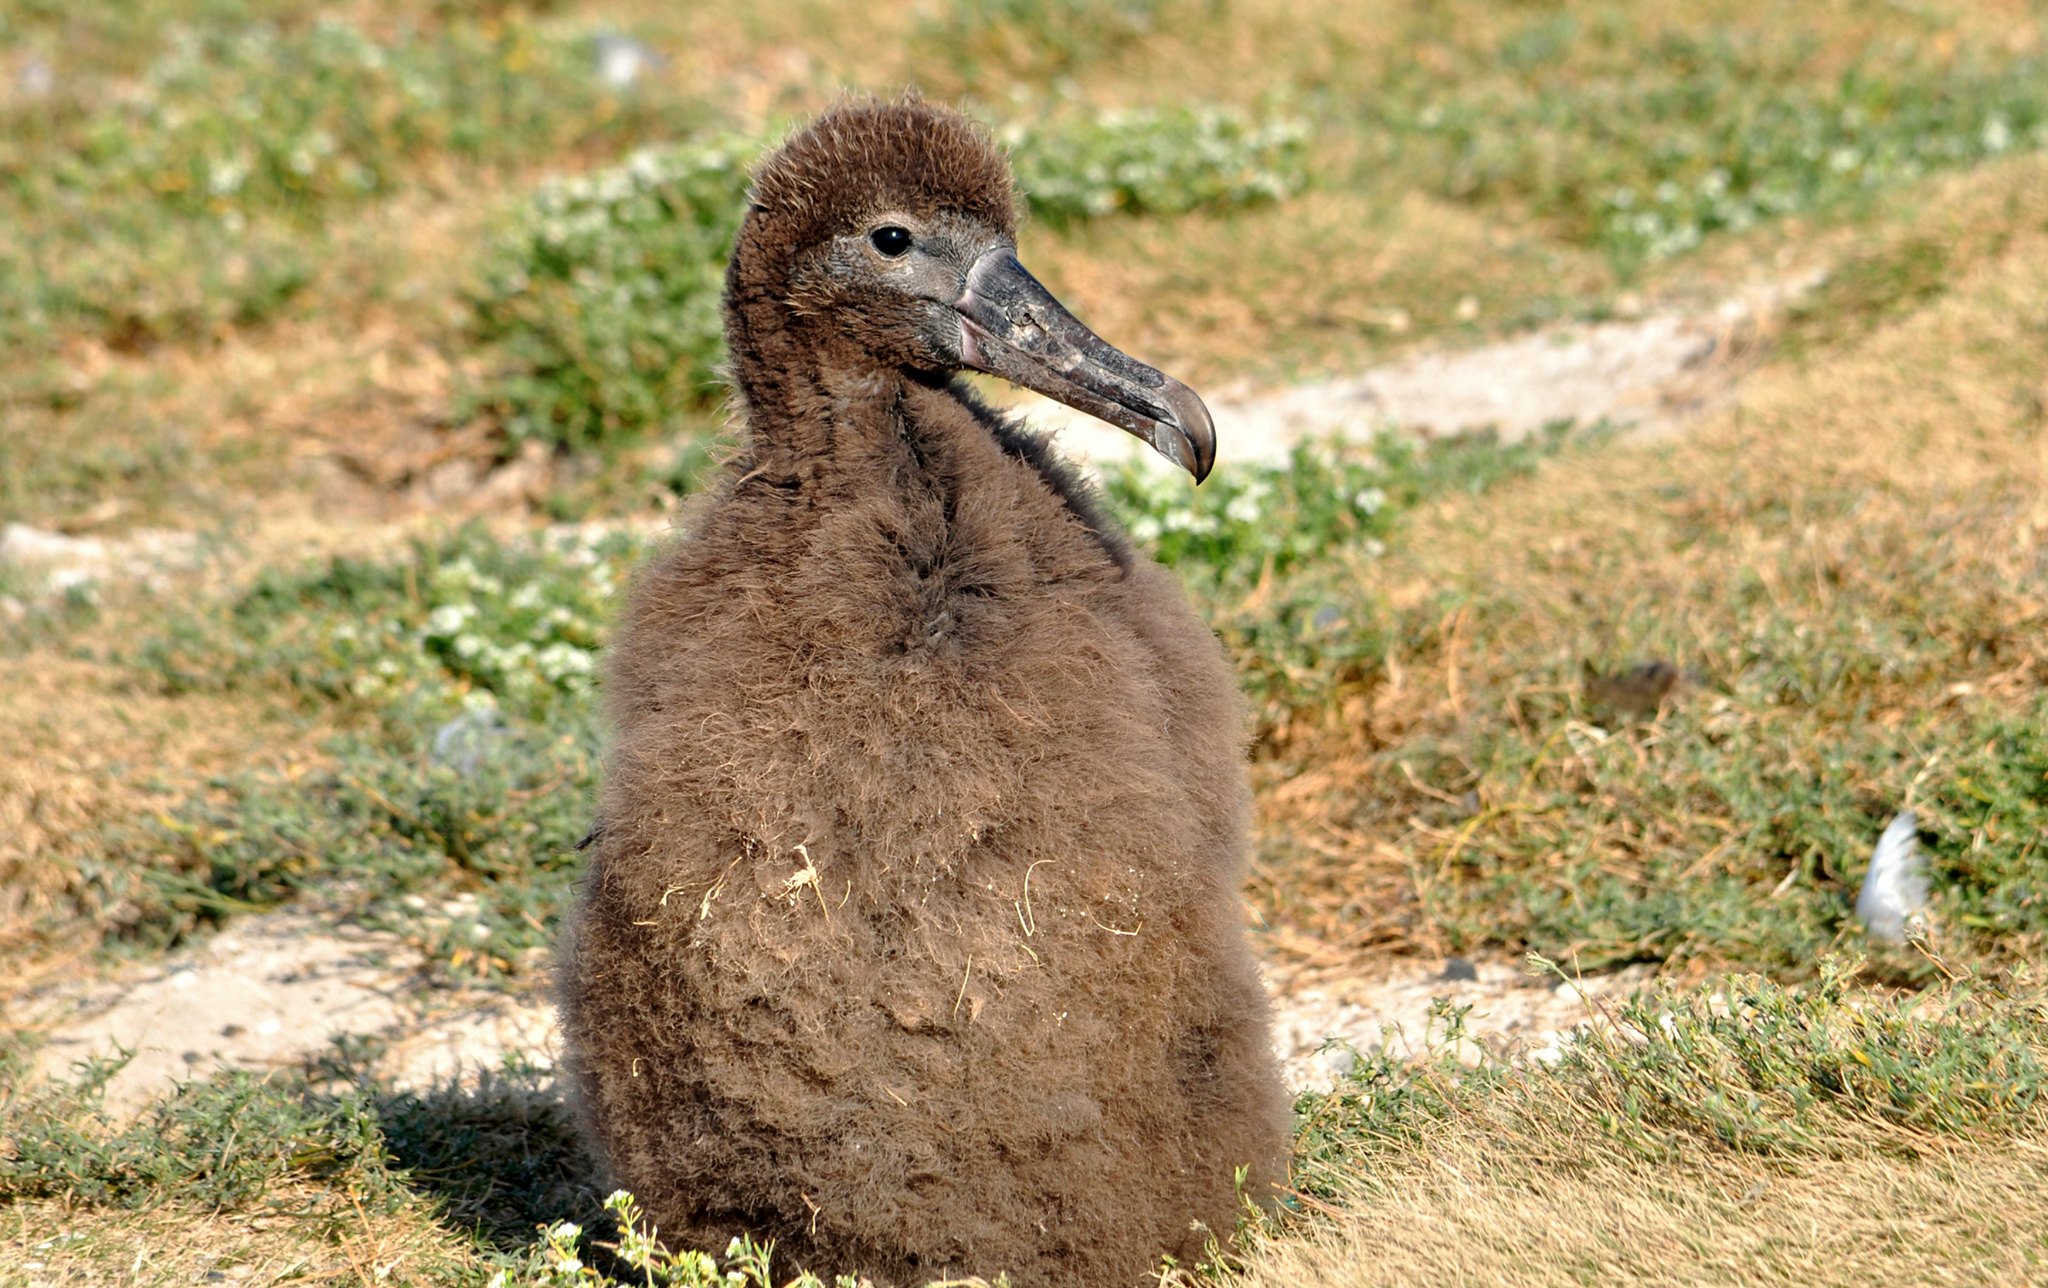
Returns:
point(890, 240)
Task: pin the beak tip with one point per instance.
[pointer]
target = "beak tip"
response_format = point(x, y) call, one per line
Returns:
point(1191, 434)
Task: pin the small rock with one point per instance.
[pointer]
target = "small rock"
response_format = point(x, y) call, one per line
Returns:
point(37, 79)
point(51, 553)
point(1468, 308)
point(464, 743)
point(64, 565)
point(1638, 690)
point(1459, 970)
point(623, 61)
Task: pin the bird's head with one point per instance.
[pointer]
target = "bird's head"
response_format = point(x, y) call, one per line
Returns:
point(892, 228)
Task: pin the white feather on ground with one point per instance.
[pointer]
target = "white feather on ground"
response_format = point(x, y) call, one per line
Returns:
point(1893, 904)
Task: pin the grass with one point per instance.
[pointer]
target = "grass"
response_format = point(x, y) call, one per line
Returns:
point(462, 679)
point(1647, 150)
point(1834, 570)
point(1681, 1101)
point(1754, 1133)
point(272, 279)
point(162, 216)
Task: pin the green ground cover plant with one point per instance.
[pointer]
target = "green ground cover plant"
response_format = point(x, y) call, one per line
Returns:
point(1275, 552)
point(451, 807)
point(197, 199)
point(999, 42)
point(1160, 161)
point(1647, 149)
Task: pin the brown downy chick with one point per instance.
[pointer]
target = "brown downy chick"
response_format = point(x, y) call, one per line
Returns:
point(912, 935)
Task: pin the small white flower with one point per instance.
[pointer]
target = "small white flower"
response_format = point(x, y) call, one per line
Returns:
point(448, 619)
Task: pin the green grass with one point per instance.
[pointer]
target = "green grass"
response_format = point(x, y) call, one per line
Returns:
point(201, 199)
point(1646, 148)
point(312, 1149)
point(1734, 827)
point(450, 807)
point(1751, 1067)
point(1816, 1135)
point(1273, 552)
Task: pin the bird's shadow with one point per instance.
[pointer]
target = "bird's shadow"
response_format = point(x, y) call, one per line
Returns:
point(499, 1150)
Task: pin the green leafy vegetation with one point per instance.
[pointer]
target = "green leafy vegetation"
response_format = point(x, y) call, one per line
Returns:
point(1647, 150)
point(452, 810)
point(558, 1259)
point(603, 302)
point(1276, 553)
point(197, 200)
point(1258, 521)
point(1157, 161)
point(230, 1143)
point(994, 42)
point(314, 1149)
point(467, 623)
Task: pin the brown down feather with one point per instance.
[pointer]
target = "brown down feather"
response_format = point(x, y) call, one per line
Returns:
point(912, 935)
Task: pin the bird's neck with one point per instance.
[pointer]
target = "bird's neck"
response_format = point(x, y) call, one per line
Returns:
point(813, 401)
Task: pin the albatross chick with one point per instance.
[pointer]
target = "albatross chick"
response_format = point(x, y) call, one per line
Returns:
point(912, 935)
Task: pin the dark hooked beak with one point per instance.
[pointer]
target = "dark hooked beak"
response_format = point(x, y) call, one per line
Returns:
point(1011, 326)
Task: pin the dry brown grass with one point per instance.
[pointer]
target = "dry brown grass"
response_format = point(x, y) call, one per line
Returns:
point(1534, 1210)
point(1327, 282)
point(88, 747)
point(51, 1242)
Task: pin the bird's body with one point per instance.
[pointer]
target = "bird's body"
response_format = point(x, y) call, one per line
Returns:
point(911, 936)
